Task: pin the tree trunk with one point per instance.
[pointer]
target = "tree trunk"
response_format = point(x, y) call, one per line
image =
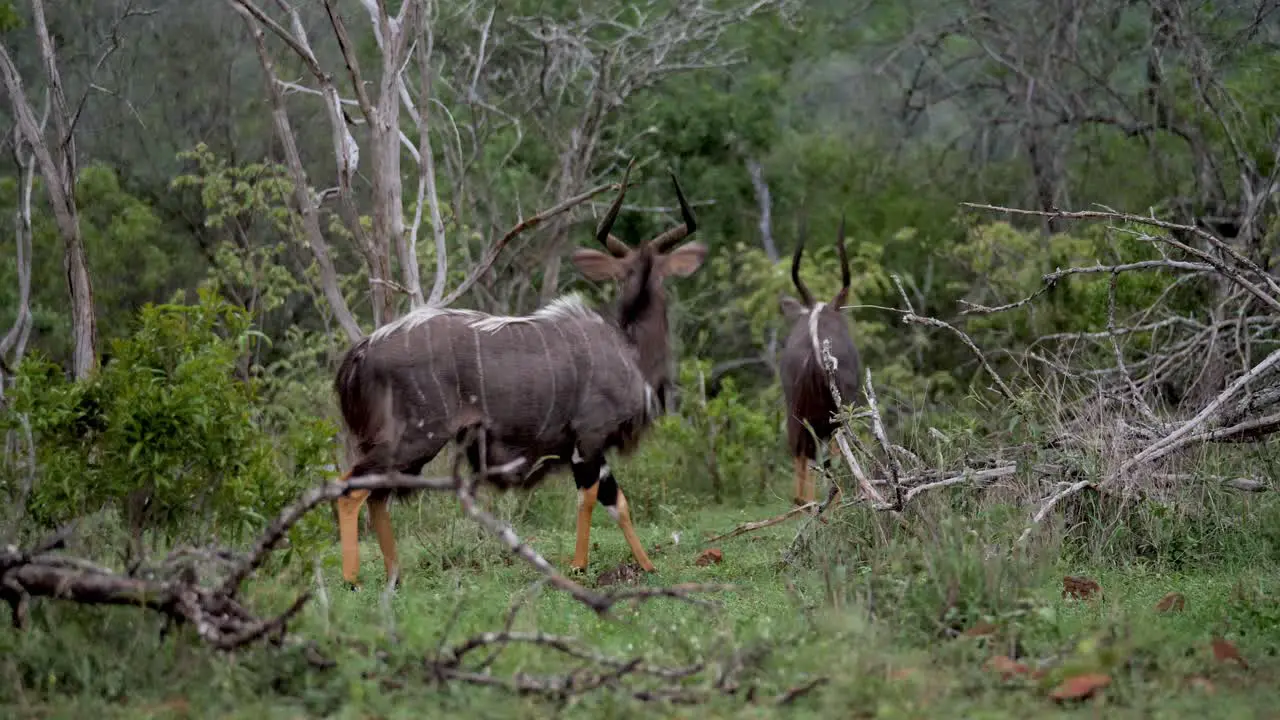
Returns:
point(57, 165)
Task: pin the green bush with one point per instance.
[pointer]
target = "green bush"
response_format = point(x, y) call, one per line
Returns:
point(725, 448)
point(169, 432)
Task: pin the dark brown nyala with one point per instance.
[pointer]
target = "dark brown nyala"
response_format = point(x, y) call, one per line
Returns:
point(805, 388)
point(558, 387)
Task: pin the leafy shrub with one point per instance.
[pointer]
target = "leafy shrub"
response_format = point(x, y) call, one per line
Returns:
point(168, 431)
point(134, 257)
point(724, 448)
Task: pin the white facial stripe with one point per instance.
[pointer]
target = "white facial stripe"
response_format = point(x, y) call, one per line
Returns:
point(577, 455)
point(604, 472)
point(613, 512)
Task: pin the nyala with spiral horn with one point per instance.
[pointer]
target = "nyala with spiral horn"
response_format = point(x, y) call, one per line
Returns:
point(805, 386)
point(559, 387)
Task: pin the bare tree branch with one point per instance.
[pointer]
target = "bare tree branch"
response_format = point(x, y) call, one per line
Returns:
point(520, 227)
point(306, 205)
point(56, 160)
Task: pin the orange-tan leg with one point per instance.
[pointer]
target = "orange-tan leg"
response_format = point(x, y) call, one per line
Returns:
point(622, 514)
point(833, 448)
point(586, 503)
point(801, 480)
point(810, 493)
point(349, 532)
point(380, 518)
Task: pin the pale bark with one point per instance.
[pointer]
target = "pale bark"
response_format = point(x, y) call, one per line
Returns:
point(592, 71)
point(765, 201)
point(427, 178)
point(14, 344)
point(56, 161)
point(381, 116)
point(307, 205)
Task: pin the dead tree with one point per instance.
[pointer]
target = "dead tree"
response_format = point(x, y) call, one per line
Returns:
point(55, 156)
point(565, 383)
point(811, 407)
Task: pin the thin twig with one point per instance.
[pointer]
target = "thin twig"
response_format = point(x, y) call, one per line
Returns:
point(747, 527)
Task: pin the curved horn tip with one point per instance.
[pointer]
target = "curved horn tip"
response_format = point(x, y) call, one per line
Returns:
point(603, 231)
point(617, 247)
point(686, 212)
point(806, 298)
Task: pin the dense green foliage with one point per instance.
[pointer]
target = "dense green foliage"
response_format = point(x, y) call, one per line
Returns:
point(214, 407)
point(171, 428)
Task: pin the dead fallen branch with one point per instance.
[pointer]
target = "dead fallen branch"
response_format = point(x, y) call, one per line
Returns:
point(799, 691)
point(747, 527)
point(288, 517)
point(910, 317)
point(914, 485)
point(877, 428)
point(1183, 435)
point(1049, 504)
point(219, 618)
point(216, 616)
point(1203, 361)
point(589, 670)
point(977, 477)
point(1243, 484)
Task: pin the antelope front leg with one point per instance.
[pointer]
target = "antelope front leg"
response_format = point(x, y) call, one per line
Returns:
point(588, 489)
point(616, 503)
point(801, 477)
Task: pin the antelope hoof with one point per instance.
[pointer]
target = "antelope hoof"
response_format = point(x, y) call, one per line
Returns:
point(577, 570)
point(796, 501)
point(649, 568)
point(352, 586)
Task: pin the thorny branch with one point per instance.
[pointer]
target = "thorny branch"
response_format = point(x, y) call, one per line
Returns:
point(637, 677)
point(1177, 349)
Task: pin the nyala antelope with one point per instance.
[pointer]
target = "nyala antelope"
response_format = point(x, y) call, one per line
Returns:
point(804, 379)
point(566, 383)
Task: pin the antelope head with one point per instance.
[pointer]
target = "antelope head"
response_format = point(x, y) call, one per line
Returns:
point(793, 309)
point(639, 272)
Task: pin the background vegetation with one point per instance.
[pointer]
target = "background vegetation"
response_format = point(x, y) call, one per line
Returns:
point(239, 230)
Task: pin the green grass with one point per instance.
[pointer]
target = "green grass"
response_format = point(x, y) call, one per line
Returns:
point(869, 619)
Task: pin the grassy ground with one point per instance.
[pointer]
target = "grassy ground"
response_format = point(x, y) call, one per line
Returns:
point(882, 625)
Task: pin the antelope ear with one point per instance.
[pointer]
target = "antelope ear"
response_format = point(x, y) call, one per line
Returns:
point(791, 307)
point(597, 266)
point(684, 260)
